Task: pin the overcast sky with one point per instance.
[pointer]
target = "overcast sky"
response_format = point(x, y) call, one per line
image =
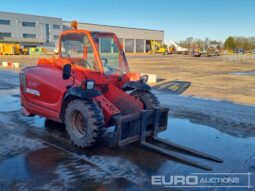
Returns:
point(215, 19)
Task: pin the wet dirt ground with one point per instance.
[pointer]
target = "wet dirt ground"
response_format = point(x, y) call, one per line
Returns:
point(35, 154)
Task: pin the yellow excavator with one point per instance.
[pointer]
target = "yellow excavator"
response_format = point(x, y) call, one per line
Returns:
point(156, 47)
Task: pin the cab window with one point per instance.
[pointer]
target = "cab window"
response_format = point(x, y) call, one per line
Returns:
point(78, 48)
point(110, 55)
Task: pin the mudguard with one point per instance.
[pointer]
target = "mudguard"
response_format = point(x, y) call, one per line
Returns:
point(78, 92)
point(136, 85)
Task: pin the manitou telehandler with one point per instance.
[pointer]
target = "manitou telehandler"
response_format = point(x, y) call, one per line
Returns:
point(89, 87)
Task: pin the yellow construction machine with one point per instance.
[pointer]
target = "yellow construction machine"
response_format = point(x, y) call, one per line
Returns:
point(156, 47)
point(9, 49)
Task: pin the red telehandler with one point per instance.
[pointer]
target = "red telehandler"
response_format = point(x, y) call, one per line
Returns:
point(89, 87)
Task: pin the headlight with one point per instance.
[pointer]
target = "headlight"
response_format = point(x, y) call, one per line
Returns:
point(144, 78)
point(88, 84)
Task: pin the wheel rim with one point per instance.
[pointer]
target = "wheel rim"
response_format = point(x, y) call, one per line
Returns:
point(78, 124)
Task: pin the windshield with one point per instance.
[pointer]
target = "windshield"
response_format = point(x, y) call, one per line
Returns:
point(113, 59)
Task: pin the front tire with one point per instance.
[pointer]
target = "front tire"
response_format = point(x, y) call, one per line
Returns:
point(148, 99)
point(84, 122)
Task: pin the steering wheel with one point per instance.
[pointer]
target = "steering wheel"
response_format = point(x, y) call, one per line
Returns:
point(84, 63)
point(88, 64)
point(105, 62)
point(111, 69)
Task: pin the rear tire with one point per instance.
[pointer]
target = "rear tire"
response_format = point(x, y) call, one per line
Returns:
point(84, 122)
point(149, 100)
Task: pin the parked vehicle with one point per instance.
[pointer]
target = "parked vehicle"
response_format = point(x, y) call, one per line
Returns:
point(89, 87)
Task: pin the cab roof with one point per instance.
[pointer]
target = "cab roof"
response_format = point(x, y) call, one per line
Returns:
point(88, 32)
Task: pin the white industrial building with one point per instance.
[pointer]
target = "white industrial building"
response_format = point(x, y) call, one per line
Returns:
point(133, 39)
point(31, 30)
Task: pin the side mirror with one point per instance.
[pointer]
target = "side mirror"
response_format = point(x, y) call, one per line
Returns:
point(67, 70)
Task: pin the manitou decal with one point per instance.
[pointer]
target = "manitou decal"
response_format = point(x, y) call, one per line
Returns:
point(32, 91)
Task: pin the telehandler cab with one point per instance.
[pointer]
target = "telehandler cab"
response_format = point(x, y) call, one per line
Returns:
point(89, 87)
